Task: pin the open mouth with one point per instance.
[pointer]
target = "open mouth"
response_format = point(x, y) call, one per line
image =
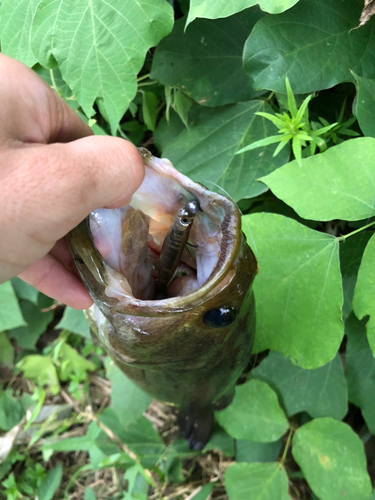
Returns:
point(134, 239)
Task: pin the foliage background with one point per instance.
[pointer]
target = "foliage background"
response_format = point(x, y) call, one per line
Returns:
point(187, 81)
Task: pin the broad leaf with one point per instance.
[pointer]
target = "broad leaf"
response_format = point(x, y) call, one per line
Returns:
point(37, 319)
point(10, 313)
point(25, 291)
point(41, 370)
point(332, 460)
point(128, 400)
point(321, 392)
point(364, 108)
point(351, 252)
point(72, 364)
point(364, 293)
point(298, 290)
point(49, 483)
point(74, 321)
point(360, 370)
point(223, 8)
point(254, 414)
point(206, 152)
point(312, 44)
point(248, 451)
point(15, 29)
point(11, 411)
point(337, 184)
point(256, 481)
point(205, 61)
point(100, 46)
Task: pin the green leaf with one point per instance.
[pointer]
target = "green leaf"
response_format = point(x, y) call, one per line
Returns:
point(41, 370)
point(37, 321)
point(89, 494)
point(11, 411)
point(74, 321)
point(204, 492)
point(25, 291)
point(223, 8)
point(10, 313)
point(342, 179)
point(50, 483)
point(254, 414)
point(364, 104)
point(220, 441)
point(311, 44)
point(15, 29)
point(351, 252)
point(6, 351)
point(137, 484)
point(205, 61)
point(149, 109)
point(109, 41)
point(360, 370)
point(73, 364)
point(127, 400)
point(182, 104)
point(321, 392)
point(259, 144)
point(256, 481)
point(206, 152)
point(332, 459)
point(247, 451)
point(298, 290)
point(364, 292)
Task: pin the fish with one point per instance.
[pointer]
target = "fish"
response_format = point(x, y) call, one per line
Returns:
point(189, 347)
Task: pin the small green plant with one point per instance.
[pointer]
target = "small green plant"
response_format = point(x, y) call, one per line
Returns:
point(293, 126)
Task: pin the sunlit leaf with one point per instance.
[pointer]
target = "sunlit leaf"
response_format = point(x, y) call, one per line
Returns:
point(332, 459)
point(100, 46)
point(254, 414)
point(337, 184)
point(258, 481)
point(41, 370)
point(298, 289)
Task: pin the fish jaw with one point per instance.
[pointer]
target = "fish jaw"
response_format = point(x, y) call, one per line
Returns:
point(170, 347)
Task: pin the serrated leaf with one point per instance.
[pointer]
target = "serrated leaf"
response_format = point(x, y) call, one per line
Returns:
point(342, 179)
point(206, 152)
point(15, 29)
point(321, 392)
point(127, 400)
point(37, 321)
point(10, 313)
point(223, 8)
point(254, 414)
point(74, 321)
point(332, 459)
point(364, 292)
point(49, 483)
point(205, 61)
point(298, 289)
point(100, 46)
point(364, 104)
point(257, 481)
point(315, 35)
point(41, 370)
point(360, 370)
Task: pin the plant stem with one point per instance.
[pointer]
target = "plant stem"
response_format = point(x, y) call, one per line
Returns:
point(143, 77)
point(54, 86)
point(286, 449)
point(345, 236)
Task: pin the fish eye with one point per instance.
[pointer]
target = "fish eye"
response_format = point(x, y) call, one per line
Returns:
point(185, 220)
point(218, 318)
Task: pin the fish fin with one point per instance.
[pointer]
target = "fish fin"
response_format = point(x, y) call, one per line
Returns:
point(195, 426)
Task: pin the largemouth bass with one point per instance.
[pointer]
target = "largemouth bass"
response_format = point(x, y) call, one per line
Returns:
point(188, 348)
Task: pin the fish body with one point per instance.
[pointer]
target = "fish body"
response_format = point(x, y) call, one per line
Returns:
point(189, 348)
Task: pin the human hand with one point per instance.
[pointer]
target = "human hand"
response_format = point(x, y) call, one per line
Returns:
point(53, 173)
